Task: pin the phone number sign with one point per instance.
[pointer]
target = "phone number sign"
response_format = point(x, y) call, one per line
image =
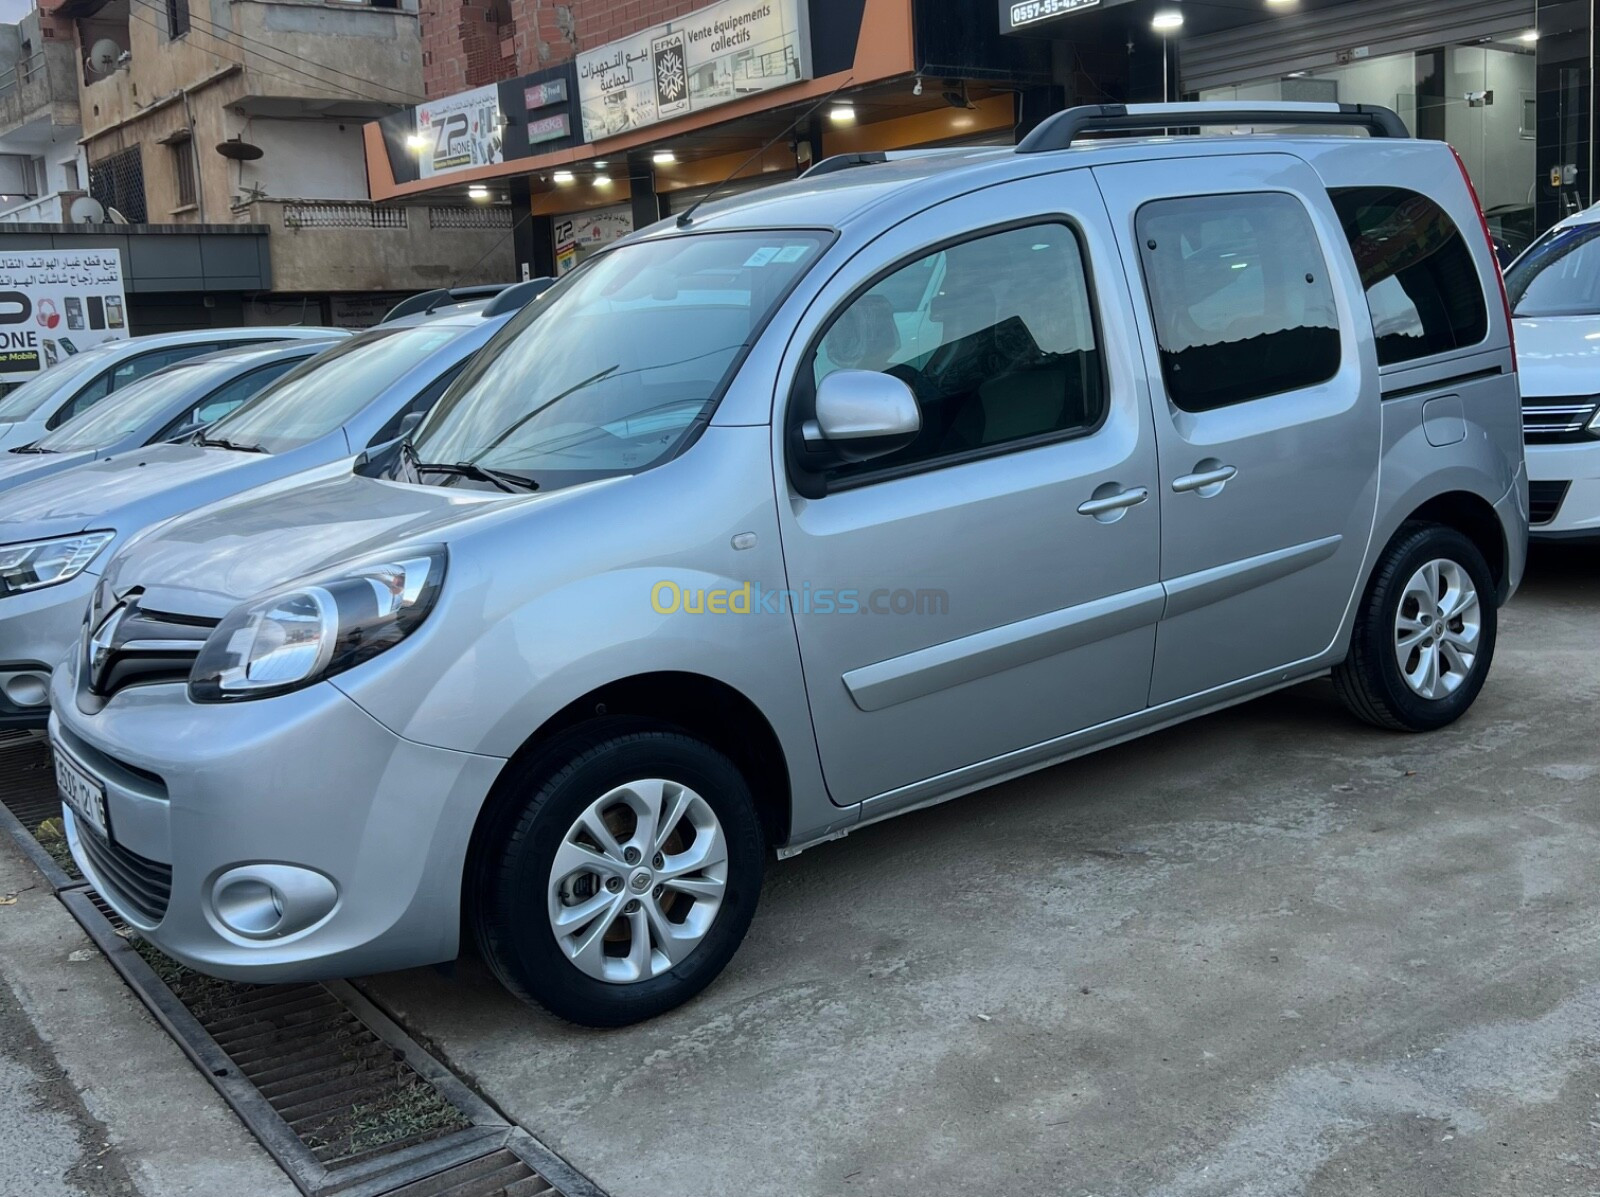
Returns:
point(1021, 16)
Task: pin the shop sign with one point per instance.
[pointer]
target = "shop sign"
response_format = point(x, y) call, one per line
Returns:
point(459, 132)
point(542, 95)
point(723, 52)
point(585, 232)
point(549, 128)
point(1021, 16)
point(55, 303)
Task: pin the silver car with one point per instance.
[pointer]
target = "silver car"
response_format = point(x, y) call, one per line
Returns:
point(57, 532)
point(802, 510)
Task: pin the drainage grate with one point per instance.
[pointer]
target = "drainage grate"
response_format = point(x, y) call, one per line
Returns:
point(340, 1096)
point(27, 799)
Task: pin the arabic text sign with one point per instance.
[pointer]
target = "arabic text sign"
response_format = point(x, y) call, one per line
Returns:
point(55, 303)
point(459, 131)
point(732, 49)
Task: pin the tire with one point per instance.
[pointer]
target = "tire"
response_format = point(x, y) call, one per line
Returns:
point(549, 808)
point(1371, 680)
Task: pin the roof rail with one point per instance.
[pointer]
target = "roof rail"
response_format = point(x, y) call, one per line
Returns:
point(517, 296)
point(838, 162)
point(427, 301)
point(1064, 128)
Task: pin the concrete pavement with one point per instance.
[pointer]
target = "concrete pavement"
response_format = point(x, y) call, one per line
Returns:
point(1272, 952)
point(95, 1099)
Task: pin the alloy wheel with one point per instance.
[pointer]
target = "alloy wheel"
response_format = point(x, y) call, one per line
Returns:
point(1437, 629)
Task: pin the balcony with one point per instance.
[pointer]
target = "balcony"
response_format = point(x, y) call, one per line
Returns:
point(41, 89)
point(55, 208)
point(350, 245)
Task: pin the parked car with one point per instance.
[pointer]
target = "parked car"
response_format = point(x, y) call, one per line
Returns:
point(752, 534)
point(77, 384)
point(172, 403)
point(1555, 294)
point(364, 391)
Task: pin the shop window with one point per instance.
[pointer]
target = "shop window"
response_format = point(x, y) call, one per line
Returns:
point(1241, 298)
point(1422, 285)
point(183, 171)
point(995, 337)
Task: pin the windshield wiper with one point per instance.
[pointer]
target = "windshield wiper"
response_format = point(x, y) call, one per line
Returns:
point(32, 449)
point(508, 482)
point(223, 443)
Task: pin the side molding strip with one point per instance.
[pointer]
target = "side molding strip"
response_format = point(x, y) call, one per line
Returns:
point(1193, 591)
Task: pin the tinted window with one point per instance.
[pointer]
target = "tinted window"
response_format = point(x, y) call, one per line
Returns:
point(421, 405)
point(1240, 293)
point(24, 400)
point(127, 372)
point(1001, 350)
point(225, 399)
point(1422, 284)
point(1559, 276)
point(321, 394)
point(132, 406)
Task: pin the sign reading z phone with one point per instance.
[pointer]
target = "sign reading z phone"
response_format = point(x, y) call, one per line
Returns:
point(1023, 13)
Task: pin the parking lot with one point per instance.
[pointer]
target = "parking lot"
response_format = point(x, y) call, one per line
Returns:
point(1269, 952)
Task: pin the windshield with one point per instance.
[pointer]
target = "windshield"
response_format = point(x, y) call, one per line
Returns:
point(318, 396)
point(1559, 275)
point(614, 368)
point(129, 409)
point(67, 377)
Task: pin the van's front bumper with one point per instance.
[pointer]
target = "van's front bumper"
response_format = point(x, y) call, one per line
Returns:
point(38, 629)
point(302, 799)
point(1576, 468)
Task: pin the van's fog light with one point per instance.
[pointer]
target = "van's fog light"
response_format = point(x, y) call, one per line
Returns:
point(26, 689)
point(268, 901)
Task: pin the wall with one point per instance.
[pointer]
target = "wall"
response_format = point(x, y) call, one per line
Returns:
point(1490, 138)
point(306, 159)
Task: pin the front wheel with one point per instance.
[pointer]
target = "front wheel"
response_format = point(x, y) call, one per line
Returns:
point(623, 878)
point(1424, 634)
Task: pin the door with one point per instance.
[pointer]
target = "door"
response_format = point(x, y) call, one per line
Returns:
point(1266, 413)
point(993, 585)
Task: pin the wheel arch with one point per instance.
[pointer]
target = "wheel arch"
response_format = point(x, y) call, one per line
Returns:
point(1474, 517)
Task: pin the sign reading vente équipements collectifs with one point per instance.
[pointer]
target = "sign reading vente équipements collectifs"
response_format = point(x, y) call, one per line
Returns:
point(459, 131)
point(55, 303)
point(716, 54)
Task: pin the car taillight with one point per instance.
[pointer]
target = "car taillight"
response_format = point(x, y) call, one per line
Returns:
point(1488, 237)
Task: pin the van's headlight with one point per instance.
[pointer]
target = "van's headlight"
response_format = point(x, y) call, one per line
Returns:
point(38, 563)
point(319, 628)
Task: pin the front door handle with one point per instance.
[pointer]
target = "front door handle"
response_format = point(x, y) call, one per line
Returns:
point(1208, 478)
point(1110, 507)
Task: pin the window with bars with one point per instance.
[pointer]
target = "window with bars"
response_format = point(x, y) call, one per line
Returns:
point(117, 182)
point(183, 171)
point(177, 18)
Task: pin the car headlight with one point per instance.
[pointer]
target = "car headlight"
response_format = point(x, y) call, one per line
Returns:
point(319, 628)
point(1594, 424)
point(38, 563)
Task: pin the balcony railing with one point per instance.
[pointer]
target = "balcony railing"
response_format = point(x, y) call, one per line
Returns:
point(21, 72)
point(55, 208)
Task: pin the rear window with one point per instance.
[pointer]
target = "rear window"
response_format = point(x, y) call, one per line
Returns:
point(1423, 288)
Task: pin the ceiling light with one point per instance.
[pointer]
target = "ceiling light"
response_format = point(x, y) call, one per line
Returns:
point(1281, 3)
point(1166, 22)
point(478, 192)
point(416, 141)
point(842, 113)
point(602, 179)
point(663, 157)
point(1531, 36)
point(563, 176)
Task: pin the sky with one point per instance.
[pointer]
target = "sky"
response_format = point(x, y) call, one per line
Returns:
point(12, 11)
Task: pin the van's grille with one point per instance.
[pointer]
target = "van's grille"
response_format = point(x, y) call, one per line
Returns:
point(1554, 421)
point(138, 886)
point(144, 647)
point(1544, 500)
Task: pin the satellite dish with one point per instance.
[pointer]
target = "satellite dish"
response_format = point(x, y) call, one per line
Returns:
point(116, 217)
point(103, 56)
point(239, 150)
point(87, 210)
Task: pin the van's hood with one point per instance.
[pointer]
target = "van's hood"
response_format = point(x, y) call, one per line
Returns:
point(208, 562)
point(18, 468)
point(129, 491)
point(1558, 355)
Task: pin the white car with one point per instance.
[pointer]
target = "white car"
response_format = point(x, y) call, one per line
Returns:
point(49, 400)
point(1555, 295)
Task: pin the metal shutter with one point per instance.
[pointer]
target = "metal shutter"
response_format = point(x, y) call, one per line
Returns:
point(1310, 40)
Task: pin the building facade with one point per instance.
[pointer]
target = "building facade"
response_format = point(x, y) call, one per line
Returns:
point(42, 168)
point(588, 118)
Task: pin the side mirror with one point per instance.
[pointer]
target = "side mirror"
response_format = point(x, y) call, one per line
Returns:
point(862, 414)
point(409, 424)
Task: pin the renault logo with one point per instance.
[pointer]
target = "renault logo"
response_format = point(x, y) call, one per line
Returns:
point(102, 641)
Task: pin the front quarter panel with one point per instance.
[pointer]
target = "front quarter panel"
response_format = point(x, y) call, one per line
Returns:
point(540, 609)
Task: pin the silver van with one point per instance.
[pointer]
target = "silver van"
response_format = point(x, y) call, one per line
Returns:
point(806, 509)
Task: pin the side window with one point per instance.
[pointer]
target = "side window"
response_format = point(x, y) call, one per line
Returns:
point(81, 402)
point(1422, 285)
point(995, 337)
point(1241, 297)
point(222, 401)
point(421, 405)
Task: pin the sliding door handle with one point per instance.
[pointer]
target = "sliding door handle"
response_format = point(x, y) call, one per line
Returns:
point(1208, 479)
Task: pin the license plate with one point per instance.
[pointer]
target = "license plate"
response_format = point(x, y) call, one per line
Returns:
point(82, 793)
